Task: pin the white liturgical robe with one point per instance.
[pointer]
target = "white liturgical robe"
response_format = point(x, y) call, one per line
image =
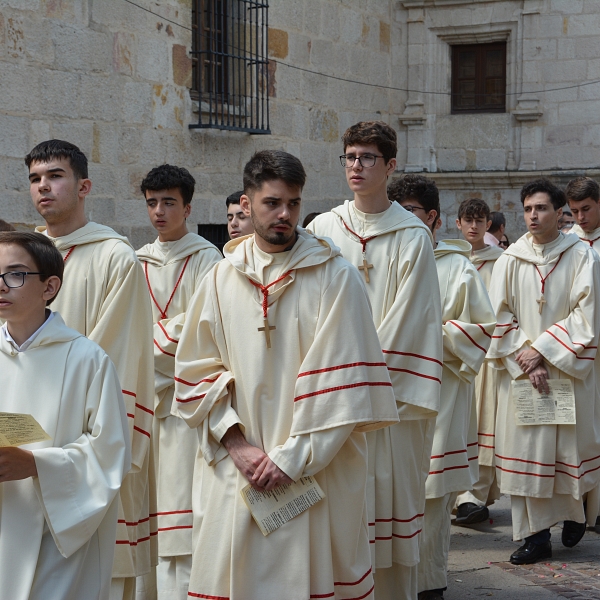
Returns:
point(593, 497)
point(543, 461)
point(404, 293)
point(468, 323)
point(104, 297)
point(58, 529)
point(305, 400)
point(174, 271)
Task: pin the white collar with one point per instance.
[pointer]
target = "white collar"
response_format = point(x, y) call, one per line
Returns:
point(32, 337)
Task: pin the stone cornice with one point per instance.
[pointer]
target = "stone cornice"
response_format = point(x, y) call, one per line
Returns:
point(499, 180)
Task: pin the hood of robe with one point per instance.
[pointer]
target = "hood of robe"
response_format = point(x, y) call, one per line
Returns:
point(452, 247)
point(55, 332)
point(187, 245)
point(308, 251)
point(523, 249)
point(90, 233)
point(396, 218)
point(580, 233)
point(487, 253)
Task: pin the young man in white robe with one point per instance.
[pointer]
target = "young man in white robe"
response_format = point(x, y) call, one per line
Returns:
point(174, 264)
point(467, 322)
point(58, 497)
point(583, 196)
point(473, 221)
point(238, 223)
point(104, 297)
point(393, 249)
point(280, 371)
point(545, 290)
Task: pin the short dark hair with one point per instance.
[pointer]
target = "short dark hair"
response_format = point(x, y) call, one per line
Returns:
point(47, 259)
point(53, 149)
point(233, 198)
point(270, 165)
point(544, 186)
point(4, 226)
point(418, 188)
point(309, 218)
point(498, 220)
point(474, 208)
point(373, 132)
point(169, 177)
point(581, 188)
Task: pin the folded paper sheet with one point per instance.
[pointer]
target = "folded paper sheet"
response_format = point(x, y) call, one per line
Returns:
point(555, 408)
point(17, 429)
point(273, 509)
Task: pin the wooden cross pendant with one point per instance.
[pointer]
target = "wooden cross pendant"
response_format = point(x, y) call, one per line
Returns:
point(541, 303)
point(365, 267)
point(267, 331)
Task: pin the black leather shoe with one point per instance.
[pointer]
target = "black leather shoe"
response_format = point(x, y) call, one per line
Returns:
point(572, 533)
point(469, 513)
point(530, 553)
point(431, 595)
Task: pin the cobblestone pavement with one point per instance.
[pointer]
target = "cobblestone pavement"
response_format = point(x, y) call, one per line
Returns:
point(479, 568)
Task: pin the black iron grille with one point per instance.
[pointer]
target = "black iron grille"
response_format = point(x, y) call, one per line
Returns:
point(230, 65)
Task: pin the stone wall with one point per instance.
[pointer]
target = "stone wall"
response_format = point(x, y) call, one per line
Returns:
point(114, 79)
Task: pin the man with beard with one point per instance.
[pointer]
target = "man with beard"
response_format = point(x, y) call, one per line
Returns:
point(278, 391)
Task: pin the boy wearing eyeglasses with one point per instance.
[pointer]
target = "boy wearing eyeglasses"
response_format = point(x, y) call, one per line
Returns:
point(393, 251)
point(58, 508)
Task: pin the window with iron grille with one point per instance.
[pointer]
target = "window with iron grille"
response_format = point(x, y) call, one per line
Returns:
point(479, 78)
point(230, 77)
point(215, 234)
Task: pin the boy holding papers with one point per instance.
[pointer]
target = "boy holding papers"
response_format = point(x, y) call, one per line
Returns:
point(58, 513)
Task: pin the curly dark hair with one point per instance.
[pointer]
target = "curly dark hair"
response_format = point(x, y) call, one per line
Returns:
point(373, 132)
point(54, 149)
point(473, 208)
point(545, 186)
point(418, 188)
point(168, 177)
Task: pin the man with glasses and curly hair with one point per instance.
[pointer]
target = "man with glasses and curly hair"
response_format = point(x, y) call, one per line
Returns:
point(393, 250)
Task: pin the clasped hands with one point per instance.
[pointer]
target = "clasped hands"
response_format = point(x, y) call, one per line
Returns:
point(262, 473)
point(16, 463)
point(532, 363)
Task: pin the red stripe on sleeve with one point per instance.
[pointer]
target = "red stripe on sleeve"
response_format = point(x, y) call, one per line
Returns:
point(435, 360)
point(344, 387)
point(166, 334)
point(569, 349)
point(340, 367)
point(150, 412)
point(468, 336)
point(207, 380)
point(141, 430)
point(162, 350)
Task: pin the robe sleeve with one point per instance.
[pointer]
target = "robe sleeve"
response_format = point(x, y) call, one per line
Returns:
point(508, 337)
point(77, 483)
point(410, 333)
point(571, 344)
point(308, 454)
point(124, 331)
point(202, 380)
point(343, 377)
point(467, 336)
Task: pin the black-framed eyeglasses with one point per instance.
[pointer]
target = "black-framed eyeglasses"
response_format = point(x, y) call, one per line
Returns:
point(16, 279)
point(366, 160)
point(411, 208)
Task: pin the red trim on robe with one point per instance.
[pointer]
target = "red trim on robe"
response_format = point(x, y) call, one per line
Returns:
point(468, 336)
point(207, 380)
point(435, 360)
point(183, 401)
point(569, 349)
point(163, 351)
point(140, 430)
point(343, 387)
point(340, 367)
point(166, 334)
point(416, 374)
